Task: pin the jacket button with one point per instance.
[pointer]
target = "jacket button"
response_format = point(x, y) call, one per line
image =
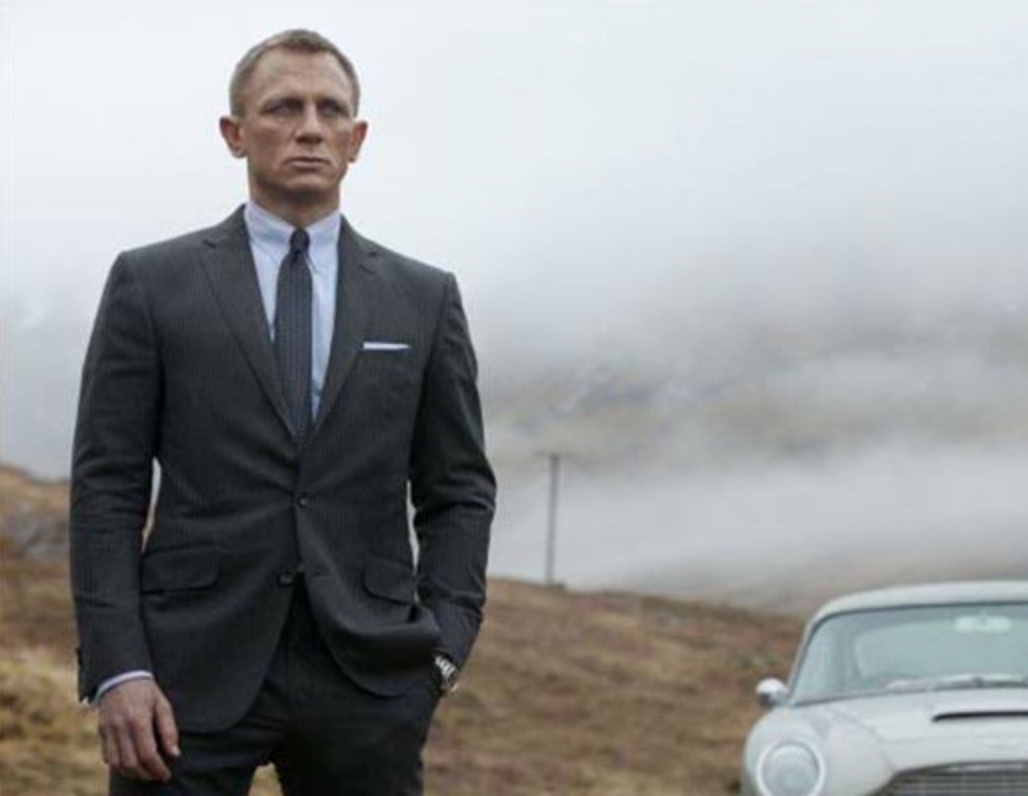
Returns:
point(302, 500)
point(286, 578)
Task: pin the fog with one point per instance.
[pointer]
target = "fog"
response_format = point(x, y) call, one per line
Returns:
point(756, 270)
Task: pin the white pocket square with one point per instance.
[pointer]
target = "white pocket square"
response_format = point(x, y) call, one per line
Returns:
point(376, 345)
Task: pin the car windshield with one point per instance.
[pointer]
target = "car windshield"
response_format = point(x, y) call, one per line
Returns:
point(915, 649)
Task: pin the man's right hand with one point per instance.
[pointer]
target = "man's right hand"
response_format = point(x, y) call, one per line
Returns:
point(136, 726)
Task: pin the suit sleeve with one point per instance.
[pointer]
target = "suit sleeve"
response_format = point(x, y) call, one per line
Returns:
point(112, 468)
point(453, 489)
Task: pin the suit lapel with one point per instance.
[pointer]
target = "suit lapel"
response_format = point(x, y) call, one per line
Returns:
point(354, 296)
point(228, 261)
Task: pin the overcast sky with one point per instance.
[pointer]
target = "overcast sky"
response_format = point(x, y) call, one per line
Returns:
point(636, 177)
point(591, 148)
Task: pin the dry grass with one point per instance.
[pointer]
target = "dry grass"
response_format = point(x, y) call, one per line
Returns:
point(49, 744)
point(604, 694)
point(568, 693)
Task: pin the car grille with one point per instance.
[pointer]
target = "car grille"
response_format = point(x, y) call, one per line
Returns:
point(991, 779)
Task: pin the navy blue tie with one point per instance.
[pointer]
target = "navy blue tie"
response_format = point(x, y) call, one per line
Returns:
point(293, 332)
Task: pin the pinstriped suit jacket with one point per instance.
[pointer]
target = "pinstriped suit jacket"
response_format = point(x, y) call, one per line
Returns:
point(180, 369)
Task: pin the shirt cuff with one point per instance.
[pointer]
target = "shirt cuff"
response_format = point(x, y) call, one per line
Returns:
point(118, 679)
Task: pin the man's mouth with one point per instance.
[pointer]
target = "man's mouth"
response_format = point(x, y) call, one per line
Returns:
point(306, 160)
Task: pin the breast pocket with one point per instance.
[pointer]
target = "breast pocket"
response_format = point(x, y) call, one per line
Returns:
point(390, 376)
point(386, 359)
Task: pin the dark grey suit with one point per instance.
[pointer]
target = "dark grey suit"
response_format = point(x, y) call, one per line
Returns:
point(180, 368)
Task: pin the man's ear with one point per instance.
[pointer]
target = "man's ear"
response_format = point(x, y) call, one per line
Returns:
point(360, 132)
point(232, 132)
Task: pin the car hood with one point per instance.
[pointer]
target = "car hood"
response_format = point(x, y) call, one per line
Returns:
point(982, 724)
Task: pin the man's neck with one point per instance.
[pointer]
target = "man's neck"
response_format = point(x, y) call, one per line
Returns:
point(295, 213)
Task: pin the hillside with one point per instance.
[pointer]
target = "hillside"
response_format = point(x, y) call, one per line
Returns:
point(33, 513)
point(568, 693)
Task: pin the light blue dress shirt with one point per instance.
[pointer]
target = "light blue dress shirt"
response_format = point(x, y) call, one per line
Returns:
point(269, 243)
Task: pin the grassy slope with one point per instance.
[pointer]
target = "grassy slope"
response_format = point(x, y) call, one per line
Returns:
point(568, 693)
point(605, 694)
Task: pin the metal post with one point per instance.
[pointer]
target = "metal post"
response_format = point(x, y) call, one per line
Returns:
point(551, 537)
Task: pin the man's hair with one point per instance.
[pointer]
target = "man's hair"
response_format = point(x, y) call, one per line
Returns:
point(296, 40)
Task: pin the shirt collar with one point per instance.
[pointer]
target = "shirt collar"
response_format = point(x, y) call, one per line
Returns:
point(272, 234)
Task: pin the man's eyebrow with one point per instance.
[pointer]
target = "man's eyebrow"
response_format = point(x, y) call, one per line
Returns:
point(297, 98)
point(275, 99)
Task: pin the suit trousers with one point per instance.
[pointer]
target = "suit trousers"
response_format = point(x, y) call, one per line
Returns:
point(324, 735)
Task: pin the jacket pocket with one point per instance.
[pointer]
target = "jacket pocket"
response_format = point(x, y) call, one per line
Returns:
point(179, 568)
point(390, 579)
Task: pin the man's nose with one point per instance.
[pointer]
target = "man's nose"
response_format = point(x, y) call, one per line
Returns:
point(310, 124)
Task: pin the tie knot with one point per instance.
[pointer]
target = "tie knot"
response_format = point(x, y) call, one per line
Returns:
point(299, 241)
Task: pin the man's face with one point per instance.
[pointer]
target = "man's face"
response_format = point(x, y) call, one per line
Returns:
point(297, 130)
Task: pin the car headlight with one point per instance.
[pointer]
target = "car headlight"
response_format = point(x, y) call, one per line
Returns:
point(791, 768)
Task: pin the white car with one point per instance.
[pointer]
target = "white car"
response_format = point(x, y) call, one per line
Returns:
point(913, 691)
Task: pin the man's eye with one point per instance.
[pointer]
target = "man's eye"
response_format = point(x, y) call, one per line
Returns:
point(333, 111)
point(281, 109)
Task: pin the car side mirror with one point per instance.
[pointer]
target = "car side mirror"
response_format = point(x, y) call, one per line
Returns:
point(771, 692)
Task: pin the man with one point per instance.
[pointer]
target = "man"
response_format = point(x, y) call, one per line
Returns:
point(293, 380)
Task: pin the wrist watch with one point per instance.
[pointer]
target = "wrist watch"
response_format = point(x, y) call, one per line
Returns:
point(447, 674)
